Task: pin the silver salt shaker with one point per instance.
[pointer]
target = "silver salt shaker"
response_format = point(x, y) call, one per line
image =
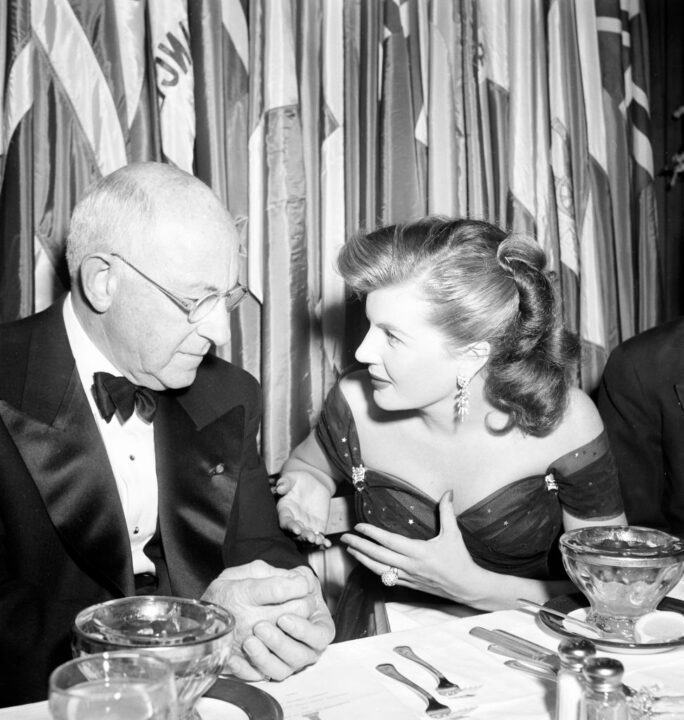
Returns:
point(604, 697)
point(569, 687)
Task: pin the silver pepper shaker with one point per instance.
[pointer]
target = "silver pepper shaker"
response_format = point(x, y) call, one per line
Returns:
point(604, 697)
point(569, 687)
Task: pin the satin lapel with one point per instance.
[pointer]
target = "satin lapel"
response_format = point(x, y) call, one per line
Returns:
point(57, 437)
point(197, 469)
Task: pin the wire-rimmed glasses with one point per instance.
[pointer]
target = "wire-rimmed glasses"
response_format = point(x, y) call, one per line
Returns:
point(196, 308)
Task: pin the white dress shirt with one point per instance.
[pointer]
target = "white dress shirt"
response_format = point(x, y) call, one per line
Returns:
point(129, 445)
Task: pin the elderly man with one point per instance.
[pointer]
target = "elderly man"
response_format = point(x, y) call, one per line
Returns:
point(128, 456)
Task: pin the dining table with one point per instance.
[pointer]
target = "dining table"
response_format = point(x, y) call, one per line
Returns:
point(345, 683)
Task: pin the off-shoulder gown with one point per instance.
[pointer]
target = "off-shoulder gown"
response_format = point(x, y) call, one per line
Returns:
point(513, 531)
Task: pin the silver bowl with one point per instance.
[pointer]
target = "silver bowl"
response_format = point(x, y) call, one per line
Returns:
point(193, 636)
point(624, 572)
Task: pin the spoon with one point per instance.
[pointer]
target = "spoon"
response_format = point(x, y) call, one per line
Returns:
point(524, 604)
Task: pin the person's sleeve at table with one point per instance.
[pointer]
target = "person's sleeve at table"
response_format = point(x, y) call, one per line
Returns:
point(35, 636)
point(253, 532)
point(629, 407)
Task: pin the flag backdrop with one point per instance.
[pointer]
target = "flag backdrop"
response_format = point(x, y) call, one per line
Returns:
point(312, 119)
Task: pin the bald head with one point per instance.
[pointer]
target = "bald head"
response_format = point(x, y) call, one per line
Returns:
point(147, 244)
point(121, 211)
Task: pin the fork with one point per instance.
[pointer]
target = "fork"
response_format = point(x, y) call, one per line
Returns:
point(435, 709)
point(444, 686)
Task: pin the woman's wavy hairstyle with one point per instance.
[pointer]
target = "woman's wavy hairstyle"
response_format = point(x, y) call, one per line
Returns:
point(482, 284)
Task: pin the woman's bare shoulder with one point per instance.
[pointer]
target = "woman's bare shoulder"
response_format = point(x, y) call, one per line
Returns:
point(581, 420)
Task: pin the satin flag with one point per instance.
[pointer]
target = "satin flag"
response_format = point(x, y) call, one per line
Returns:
point(69, 131)
point(623, 48)
point(402, 120)
point(174, 74)
point(16, 142)
point(277, 268)
point(531, 199)
point(577, 200)
point(220, 54)
point(332, 185)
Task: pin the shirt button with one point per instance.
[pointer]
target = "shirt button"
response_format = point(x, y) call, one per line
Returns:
point(131, 457)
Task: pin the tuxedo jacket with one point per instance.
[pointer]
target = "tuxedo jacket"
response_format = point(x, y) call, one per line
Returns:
point(641, 400)
point(63, 537)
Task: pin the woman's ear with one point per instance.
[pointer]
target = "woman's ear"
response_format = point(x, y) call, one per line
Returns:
point(476, 355)
point(98, 283)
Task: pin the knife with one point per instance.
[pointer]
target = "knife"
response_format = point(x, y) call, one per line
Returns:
point(503, 639)
point(531, 669)
point(525, 651)
point(546, 663)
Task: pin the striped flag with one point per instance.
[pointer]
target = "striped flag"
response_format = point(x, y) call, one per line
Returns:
point(609, 28)
point(77, 125)
point(170, 39)
point(71, 34)
point(645, 217)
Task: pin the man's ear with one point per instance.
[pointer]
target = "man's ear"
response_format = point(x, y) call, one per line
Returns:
point(98, 282)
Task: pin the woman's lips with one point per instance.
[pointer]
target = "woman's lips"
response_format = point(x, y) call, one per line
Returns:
point(376, 379)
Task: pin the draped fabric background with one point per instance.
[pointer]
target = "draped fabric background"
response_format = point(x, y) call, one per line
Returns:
point(314, 118)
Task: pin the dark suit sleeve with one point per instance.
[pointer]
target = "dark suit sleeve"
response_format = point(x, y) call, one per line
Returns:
point(39, 588)
point(35, 638)
point(630, 411)
point(254, 532)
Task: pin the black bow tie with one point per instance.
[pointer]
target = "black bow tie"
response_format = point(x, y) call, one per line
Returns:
point(118, 393)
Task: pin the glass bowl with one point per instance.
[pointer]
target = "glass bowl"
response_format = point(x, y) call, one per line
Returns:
point(193, 636)
point(624, 572)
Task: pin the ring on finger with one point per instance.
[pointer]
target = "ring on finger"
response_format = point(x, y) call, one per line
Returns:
point(390, 576)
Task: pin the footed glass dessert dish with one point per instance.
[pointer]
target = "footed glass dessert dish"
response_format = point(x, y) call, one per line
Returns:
point(624, 572)
point(193, 636)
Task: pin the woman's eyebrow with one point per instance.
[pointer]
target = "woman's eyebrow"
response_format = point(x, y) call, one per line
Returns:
point(394, 329)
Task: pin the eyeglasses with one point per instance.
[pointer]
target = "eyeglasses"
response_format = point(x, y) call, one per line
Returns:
point(196, 308)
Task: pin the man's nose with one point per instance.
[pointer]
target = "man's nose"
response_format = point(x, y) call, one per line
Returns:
point(215, 327)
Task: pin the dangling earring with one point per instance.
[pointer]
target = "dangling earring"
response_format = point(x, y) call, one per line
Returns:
point(462, 399)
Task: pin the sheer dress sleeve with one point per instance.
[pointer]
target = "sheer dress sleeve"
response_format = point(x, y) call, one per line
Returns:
point(587, 481)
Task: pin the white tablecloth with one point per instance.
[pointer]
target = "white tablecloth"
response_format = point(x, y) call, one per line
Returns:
point(344, 683)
